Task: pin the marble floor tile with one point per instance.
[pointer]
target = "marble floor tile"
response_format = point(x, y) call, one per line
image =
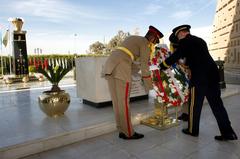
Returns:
point(21, 120)
point(212, 154)
point(160, 152)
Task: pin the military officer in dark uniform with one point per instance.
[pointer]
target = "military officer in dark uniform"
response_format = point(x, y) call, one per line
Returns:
point(173, 47)
point(204, 82)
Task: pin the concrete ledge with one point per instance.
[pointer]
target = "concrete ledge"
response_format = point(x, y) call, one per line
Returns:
point(40, 145)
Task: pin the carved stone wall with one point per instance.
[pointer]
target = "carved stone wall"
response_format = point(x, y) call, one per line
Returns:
point(225, 41)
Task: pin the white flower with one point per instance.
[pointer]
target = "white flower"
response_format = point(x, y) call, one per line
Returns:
point(162, 94)
point(181, 86)
point(160, 100)
point(173, 90)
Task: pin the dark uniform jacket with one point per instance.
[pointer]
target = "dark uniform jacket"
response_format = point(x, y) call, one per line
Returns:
point(204, 70)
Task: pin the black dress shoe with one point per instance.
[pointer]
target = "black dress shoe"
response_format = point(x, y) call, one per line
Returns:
point(226, 137)
point(134, 136)
point(183, 117)
point(186, 131)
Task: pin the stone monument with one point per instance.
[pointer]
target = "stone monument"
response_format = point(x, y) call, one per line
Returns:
point(20, 58)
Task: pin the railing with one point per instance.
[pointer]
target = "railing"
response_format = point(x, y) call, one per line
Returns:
point(5, 65)
point(41, 60)
point(6, 62)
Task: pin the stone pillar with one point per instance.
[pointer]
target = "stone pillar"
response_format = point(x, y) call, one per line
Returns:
point(20, 57)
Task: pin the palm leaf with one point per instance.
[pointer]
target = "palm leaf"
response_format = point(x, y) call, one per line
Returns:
point(55, 76)
point(64, 72)
point(58, 74)
point(44, 73)
point(51, 72)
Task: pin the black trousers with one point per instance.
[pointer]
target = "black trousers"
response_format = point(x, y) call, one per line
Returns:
point(213, 95)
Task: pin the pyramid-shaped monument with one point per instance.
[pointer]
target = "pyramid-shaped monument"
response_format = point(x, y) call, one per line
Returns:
point(225, 42)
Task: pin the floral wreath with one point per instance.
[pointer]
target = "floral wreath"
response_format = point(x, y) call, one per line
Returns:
point(171, 85)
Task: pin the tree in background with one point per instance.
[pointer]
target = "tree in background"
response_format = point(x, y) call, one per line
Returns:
point(116, 40)
point(101, 49)
point(97, 48)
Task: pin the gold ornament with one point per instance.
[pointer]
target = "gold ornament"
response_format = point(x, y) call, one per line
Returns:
point(17, 23)
point(161, 118)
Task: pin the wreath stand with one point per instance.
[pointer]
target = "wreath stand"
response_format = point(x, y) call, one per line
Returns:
point(162, 119)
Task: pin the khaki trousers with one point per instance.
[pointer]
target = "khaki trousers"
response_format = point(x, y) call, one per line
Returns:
point(120, 93)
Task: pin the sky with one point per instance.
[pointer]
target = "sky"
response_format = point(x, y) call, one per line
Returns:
point(70, 26)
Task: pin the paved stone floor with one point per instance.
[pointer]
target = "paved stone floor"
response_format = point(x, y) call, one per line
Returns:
point(167, 144)
point(21, 121)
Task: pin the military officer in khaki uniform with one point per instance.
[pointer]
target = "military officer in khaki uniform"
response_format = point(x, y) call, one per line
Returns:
point(118, 69)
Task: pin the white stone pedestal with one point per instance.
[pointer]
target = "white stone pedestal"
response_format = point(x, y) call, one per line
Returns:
point(93, 89)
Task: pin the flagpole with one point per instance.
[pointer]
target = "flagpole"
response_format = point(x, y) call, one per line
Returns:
point(1, 55)
point(10, 45)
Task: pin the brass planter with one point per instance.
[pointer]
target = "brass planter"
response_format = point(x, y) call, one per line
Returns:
point(54, 104)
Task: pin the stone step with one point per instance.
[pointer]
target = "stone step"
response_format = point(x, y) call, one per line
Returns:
point(43, 144)
point(39, 145)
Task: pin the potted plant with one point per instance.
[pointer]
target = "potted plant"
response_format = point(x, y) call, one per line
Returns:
point(55, 101)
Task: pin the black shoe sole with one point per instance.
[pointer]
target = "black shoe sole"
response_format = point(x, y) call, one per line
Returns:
point(134, 137)
point(188, 133)
point(221, 138)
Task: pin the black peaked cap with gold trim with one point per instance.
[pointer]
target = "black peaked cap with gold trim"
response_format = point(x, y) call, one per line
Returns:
point(181, 27)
